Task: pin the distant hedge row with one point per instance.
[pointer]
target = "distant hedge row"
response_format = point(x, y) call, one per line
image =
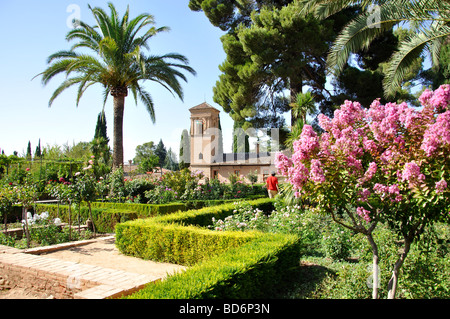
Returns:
point(221, 264)
point(107, 214)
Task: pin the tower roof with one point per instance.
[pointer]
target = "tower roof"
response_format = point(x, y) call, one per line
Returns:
point(203, 106)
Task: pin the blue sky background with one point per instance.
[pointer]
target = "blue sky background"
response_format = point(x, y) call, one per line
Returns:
point(32, 30)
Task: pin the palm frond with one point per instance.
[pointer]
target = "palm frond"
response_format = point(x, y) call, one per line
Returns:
point(146, 98)
point(407, 52)
point(65, 85)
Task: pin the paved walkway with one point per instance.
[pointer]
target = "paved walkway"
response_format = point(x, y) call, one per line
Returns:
point(67, 279)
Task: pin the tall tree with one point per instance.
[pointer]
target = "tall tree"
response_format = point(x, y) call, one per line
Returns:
point(101, 129)
point(144, 151)
point(281, 50)
point(185, 150)
point(271, 48)
point(369, 66)
point(171, 161)
point(161, 152)
point(100, 147)
point(38, 152)
point(118, 63)
point(28, 155)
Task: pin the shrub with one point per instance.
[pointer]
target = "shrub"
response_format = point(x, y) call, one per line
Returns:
point(252, 270)
point(336, 242)
point(223, 264)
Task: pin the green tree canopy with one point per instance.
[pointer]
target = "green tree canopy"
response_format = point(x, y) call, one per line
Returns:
point(161, 152)
point(144, 151)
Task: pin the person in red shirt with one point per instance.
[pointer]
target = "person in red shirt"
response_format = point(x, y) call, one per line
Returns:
point(272, 185)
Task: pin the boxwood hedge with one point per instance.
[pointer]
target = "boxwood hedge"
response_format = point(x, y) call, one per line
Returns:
point(220, 264)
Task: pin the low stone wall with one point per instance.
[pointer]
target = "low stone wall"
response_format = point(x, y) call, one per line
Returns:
point(65, 279)
point(39, 274)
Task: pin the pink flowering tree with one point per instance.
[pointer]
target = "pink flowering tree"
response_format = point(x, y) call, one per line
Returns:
point(388, 163)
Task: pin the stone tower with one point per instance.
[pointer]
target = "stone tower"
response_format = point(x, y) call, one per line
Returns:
point(204, 135)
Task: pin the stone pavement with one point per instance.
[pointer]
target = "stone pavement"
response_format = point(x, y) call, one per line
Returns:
point(66, 279)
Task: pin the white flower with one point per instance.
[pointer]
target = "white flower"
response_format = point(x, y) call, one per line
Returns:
point(57, 221)
point(77, 173)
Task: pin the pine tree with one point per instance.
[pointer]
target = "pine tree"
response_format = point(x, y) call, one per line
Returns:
point(101, 128)
point(38, 152)
point(161, 152)
point(185, 150)
point(171, 162)
point(28, 156)
point(99, 146)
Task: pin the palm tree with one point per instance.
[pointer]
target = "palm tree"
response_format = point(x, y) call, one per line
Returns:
point(304, 105)
point(430, 19)
point(118, 64)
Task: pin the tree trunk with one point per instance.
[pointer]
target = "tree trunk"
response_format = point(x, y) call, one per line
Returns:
point(92, 219)
point(119, 95)
point(70, 220)
point(392, 285)
point(375, 274)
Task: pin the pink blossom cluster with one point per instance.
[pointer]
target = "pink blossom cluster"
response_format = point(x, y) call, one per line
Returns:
point(298, 176)
point(283, 163)
point(437, 135)
point(363, 195)
point(393, 192)
point(316, 171)
point(306, 145)
point(438, 99)
point(411, 173)
point(369, 174)
point(441, 186)
point(363, 213)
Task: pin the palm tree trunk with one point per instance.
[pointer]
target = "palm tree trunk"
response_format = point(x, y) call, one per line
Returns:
point(119, 105)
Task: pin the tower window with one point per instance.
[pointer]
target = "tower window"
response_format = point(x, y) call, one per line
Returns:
point(198, 127)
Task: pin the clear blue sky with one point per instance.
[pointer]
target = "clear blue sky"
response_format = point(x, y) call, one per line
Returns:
point(32, 30)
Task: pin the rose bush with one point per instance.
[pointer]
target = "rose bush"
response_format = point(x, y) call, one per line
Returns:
point(388, 163)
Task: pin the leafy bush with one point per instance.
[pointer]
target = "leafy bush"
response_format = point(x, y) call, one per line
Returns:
point(336, 242)
point(244, 217)
point(253, 270)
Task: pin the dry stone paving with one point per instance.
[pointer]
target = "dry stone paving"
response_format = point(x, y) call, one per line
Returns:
point(64, 279)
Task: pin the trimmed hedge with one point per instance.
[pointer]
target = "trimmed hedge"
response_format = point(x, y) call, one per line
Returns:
point(107, 214)
point(253, 270)
point(222, 264)
point(105, 220)
point(143, 210)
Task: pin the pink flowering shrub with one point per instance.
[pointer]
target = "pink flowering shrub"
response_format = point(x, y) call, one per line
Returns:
point(386, 163)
